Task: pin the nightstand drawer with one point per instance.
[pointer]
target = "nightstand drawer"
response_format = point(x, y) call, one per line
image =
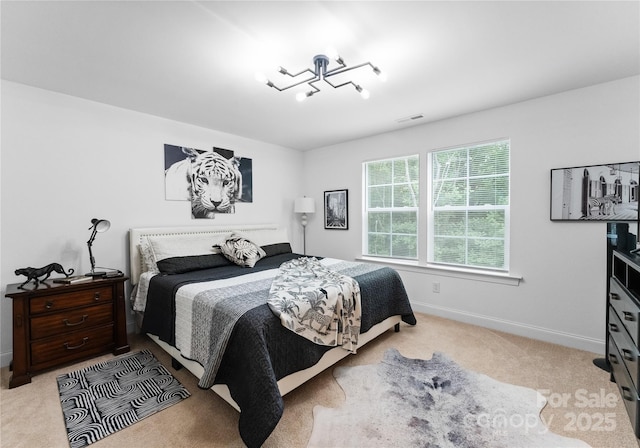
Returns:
point(70, 300)
point(626, 348)
point(626, 309)
point(70, 320)
point(67, 347)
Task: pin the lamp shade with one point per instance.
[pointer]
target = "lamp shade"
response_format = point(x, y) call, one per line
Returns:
point(100, 225)
point(304, 205)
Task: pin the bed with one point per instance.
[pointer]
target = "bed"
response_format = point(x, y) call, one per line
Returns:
point(183, 287)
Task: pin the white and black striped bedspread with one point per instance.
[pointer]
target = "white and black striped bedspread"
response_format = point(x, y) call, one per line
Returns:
point(207, 312)
point(228, 327)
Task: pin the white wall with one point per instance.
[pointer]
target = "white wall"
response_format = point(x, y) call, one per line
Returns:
point(66, 160)
point(562, 295)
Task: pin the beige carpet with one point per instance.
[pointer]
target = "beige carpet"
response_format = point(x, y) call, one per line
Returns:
point(30, 415)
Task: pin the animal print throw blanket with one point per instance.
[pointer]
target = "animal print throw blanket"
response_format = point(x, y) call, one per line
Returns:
point(317, 303)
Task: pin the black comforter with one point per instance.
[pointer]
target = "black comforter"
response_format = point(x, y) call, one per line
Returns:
point(261, 351)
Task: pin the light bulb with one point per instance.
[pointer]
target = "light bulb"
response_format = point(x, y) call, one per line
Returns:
point(332, 53)
point(382, 76)
point(364, 93)
point(301, 96)
point(261, 78)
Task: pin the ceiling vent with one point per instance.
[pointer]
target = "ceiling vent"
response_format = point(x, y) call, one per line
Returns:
point(410, 118)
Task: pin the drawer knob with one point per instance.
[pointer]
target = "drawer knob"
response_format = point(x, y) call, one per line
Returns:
point(614, 296)
point(613, 327)
point(96, 295)
point(613, 358)
point(68, 324)
point(629, 316)
point(48, 304)
point(69, 347)
point(628, 355)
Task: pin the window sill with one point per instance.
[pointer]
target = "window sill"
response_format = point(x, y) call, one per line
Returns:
point(502, 278)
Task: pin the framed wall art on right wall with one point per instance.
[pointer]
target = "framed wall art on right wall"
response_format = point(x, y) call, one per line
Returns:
point(607, 192)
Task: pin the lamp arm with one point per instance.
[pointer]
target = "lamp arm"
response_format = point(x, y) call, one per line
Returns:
point(89, 244)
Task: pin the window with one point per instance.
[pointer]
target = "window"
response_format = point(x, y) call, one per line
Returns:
point(469, 206)
point(391, 207)
point(466, 209)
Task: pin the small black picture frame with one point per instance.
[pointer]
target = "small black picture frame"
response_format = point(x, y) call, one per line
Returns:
point(607, 192)
point(336, 210)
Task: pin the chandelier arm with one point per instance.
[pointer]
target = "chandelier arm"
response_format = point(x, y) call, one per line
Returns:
point(340, 85)
point(300, 73)
point(344, 69)
point(311, 84)
point(308, 80)
point(338, 61)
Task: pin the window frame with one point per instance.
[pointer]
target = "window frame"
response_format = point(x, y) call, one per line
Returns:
point(366, 210)
point(424, 214)
point(429, 240)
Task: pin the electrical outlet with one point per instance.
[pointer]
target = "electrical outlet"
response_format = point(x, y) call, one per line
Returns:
point(436, 287)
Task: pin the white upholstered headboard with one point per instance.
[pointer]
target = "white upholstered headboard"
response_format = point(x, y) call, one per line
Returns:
point(257, 231)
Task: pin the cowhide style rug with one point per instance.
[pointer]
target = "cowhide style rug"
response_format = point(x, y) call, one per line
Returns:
point(431, 403)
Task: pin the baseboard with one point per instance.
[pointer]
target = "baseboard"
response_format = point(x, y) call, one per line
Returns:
point(596, 346)
point(132, 328)
point(5, 359)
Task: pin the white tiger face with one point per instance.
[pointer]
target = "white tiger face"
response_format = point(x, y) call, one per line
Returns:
point(216, 183)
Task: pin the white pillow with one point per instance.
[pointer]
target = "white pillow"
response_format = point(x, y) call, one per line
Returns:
point(148, 262)
point(159, 247)
point(168, 246)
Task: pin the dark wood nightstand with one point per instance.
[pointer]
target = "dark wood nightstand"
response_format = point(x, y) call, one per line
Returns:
point(55, 324)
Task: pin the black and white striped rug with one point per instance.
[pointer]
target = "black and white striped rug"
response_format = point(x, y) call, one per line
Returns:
point(111, 395)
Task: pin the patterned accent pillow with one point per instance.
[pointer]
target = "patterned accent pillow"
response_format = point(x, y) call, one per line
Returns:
point(241, 251)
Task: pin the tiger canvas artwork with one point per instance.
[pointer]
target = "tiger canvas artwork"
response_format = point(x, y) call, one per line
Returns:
point(212, 182)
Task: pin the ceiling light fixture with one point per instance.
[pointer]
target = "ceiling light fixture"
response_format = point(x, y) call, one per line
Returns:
point(320, 73)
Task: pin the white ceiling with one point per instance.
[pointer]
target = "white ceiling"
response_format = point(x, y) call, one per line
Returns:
point(195, 62)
